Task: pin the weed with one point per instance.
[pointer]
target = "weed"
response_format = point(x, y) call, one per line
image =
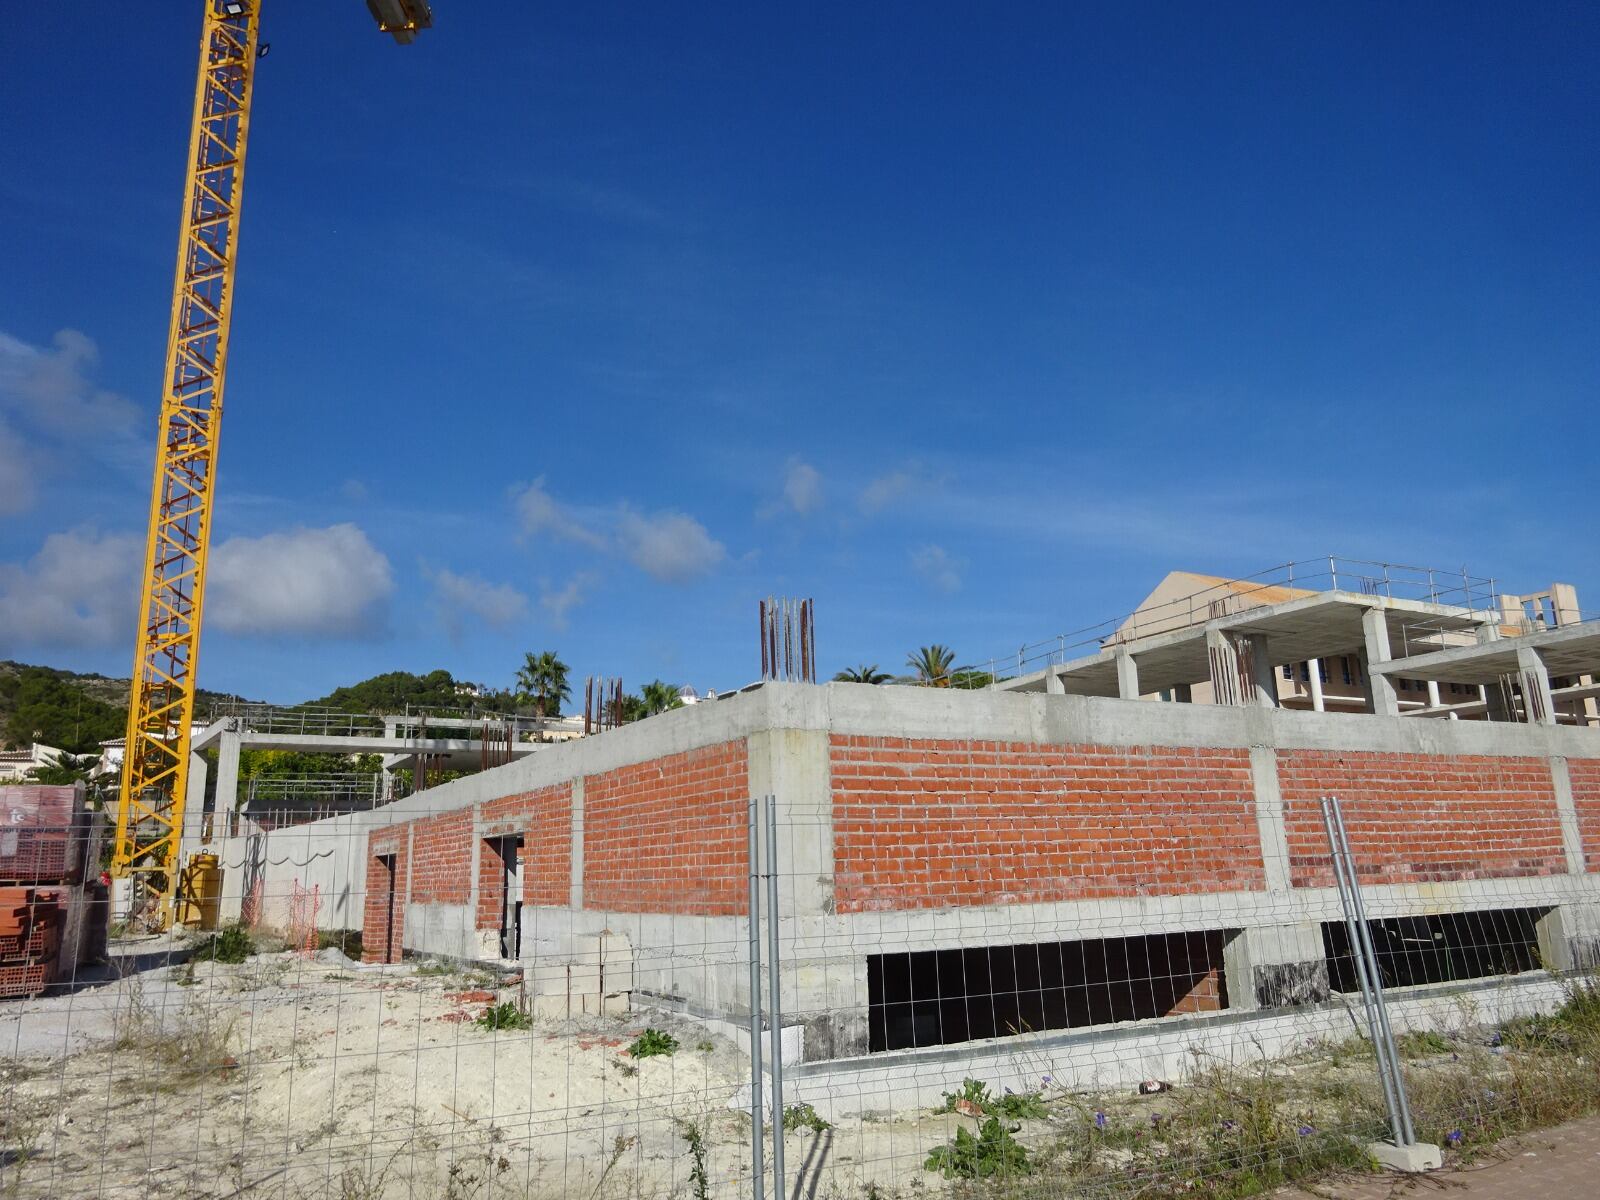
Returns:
point(505, 1015)
point(974, 1098)
point(619, 1146)
point(992, 1152)
point(232, 945)
point(652, 1042)
point(706, 1047)
point(803, 1116)
point(695, 1136)
point(433, 968)
point(1423, 1043)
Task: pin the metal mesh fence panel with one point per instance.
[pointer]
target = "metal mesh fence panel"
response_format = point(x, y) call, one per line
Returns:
point(1039, 964)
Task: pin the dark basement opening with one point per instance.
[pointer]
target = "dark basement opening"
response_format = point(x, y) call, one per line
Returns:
point(936, 997)
point(1439, 948)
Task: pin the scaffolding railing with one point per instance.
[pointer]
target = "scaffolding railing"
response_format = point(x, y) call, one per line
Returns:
point(1456, 589)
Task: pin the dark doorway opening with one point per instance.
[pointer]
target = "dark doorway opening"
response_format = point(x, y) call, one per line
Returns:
point(935, 997)
point(1439, 948)
point(505, 874)
point(386, 882)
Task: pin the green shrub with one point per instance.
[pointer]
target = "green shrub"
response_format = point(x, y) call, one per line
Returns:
point(652, 1042)
point(505, 1015)
point(232, 945)
point(803, 1116)
point(1014, 1106)
point(992, 1152)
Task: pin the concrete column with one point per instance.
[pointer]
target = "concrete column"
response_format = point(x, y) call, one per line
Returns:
point(1277, 963)
point(1227, 686)
point(1269, 820)
point(1538, 707)
point(1497, 704)
point(1053, 684)
point(1564, 601)
point(575, 887)
point(1314, 669)
point(1264, 684)
point(194, 809)
point(1127, 675)
point(227, 773)
point(1567, 814)
point(1276, 966)
point(1380, 688)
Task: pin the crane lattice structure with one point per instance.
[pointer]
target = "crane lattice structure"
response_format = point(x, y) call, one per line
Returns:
point(155, 770)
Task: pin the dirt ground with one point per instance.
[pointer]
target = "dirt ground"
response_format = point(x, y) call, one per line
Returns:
point(287, 1076)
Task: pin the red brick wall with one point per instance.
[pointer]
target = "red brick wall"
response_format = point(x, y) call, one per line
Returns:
point(377, 945)
point(544, 819)
point(441, 853)
point(1421, 818)
point(926, 824)
point(669, 835)
point(1585, 774)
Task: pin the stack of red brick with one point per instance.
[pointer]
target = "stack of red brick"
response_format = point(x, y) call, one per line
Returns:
point(41, 862)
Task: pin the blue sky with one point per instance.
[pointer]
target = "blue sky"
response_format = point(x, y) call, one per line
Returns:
point(584, 328)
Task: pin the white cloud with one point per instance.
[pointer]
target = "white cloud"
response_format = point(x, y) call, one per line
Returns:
point(354, 491)
point(16, 473)
point(80, 589)
point(803, 487)
point(667, 545)
point(48, 389)
point(670, 546)
point(558, 603)
point(937, 568)
point(884, 490)
point(457, 598)
point(309, 582)
point(50, 412)
point(539, 513)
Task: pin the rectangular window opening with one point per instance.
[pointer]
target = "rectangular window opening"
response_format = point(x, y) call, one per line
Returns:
point(936, 997)
point(1439, 948)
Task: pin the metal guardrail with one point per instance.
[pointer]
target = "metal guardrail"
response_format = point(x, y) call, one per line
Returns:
point(1456, 589)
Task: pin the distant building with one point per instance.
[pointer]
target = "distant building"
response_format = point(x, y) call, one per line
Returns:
point(16, 764)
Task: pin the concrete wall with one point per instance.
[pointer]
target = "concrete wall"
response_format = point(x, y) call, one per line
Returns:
point(915, 819)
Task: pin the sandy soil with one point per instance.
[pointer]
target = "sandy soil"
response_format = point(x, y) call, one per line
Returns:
point(291, 1077)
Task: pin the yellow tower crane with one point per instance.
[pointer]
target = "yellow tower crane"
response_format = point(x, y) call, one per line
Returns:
point(155, 768)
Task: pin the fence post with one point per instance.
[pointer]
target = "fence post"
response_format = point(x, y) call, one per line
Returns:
point(774, 999)
point(1405, 1153)
point(758, 1167)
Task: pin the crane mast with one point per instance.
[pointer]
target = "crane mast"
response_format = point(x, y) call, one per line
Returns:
point(155, 768)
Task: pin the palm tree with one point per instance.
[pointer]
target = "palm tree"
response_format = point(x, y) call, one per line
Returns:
point(932, 665)
point(65, 769)
point(862, 674)
point(542, 679)
point(659, 697)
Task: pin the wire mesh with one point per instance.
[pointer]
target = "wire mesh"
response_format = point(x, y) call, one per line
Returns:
point(982, 966)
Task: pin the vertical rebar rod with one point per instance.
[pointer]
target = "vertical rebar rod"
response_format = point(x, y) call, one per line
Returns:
point(775, 1005)
point(1377, 978)
point(1380, 1050)
point(758, 1167)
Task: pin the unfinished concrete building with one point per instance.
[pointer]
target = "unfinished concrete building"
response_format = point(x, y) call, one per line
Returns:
point(1023, 871)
